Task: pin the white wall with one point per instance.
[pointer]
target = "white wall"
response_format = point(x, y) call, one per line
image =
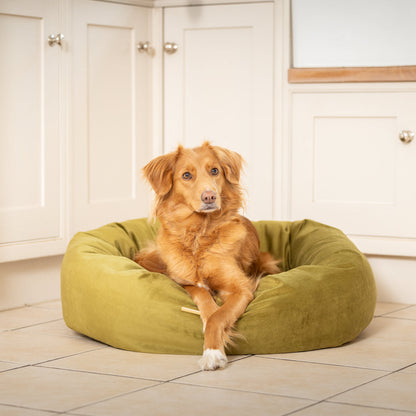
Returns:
point(336, 33)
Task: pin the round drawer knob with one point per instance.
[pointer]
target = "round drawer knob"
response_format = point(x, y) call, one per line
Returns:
point(406, 136)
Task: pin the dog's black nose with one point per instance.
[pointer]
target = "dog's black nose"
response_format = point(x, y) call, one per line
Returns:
point(208, 197)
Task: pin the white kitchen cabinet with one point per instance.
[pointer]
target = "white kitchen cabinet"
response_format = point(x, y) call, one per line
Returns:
point(111, 137)
point(218, 86)
point(74, 121)
point(76, 127)
point(351, 170)
point(31, 137)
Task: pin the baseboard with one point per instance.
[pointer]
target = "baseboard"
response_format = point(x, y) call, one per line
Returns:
point(395, 278)
point(29, 281)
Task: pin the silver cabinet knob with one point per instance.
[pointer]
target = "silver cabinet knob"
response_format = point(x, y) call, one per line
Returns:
point(170, 47)
point(144, 47)
point(406, 136)
point(55, 39)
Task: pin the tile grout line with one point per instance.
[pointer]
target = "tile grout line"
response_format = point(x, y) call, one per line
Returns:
point(19, 366)
point(101, 374)
point(303, 408)
point(37, 304)
point(201, 371)
point(17, 308)
point(39, 363)
point(244, 391)
point(373, 407)
point(327, 399)
point(174, 381)
point(395, 310)
point(160, 383)
point(396, 318)
point(364, 384)
point(14, 406)
point(327, 364)
point(31, 326)
point(358, 406)
point(386, 374)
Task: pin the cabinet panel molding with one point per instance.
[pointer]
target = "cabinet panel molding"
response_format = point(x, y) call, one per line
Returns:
point(341, 147)
point(110, 113)
point(111, 100)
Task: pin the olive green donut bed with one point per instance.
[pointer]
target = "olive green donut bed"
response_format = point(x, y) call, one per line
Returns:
point(324, 297)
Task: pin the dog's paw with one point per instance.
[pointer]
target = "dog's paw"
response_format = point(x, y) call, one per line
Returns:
point(212, 359)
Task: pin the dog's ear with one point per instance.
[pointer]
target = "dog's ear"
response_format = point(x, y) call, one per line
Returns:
point(231, 162)
point(159, 172)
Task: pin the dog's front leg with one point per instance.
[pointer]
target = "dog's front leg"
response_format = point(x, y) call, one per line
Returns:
point(218, 327)
point(204, 301)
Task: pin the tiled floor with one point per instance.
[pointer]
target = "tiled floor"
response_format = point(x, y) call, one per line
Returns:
point(46, 369)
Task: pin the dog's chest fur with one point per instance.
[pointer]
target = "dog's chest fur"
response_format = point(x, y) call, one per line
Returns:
point(207, 238)
point(199, 239)
point(200, 245)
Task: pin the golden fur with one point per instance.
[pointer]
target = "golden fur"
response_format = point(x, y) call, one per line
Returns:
point(204, 244)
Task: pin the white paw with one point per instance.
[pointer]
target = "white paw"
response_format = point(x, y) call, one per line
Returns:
point(212, 359)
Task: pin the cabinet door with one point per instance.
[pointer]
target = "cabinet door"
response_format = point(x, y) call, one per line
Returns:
point(351, 170)
point(219, 87)
point(30, 135)
point(110, 113)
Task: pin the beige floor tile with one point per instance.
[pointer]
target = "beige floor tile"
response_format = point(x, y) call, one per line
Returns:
point(365, 352)
point(288, 378)
point(171, 398)
point(20, 318)
point(25, 348)
point(331, 409)
point(392, 328)
point(20, 411)
point(408, 313)
point(395, 391)
point(385, 307)
point(60, 390)
point(51, 328)
point(133, 364)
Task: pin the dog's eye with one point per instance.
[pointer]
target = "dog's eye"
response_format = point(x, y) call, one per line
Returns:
point(187, 176)
point(214, 171)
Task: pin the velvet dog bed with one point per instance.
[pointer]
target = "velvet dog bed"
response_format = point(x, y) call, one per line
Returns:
point(324, 297)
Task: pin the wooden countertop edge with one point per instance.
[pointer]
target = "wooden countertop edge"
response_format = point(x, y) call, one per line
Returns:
point(352, 74)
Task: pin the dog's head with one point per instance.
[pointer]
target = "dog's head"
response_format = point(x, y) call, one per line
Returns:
point(203, 180)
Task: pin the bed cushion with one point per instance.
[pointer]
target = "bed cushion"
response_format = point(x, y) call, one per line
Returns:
point(324, 297)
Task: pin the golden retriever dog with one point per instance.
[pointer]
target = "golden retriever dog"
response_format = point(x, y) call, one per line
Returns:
point(203, 243)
